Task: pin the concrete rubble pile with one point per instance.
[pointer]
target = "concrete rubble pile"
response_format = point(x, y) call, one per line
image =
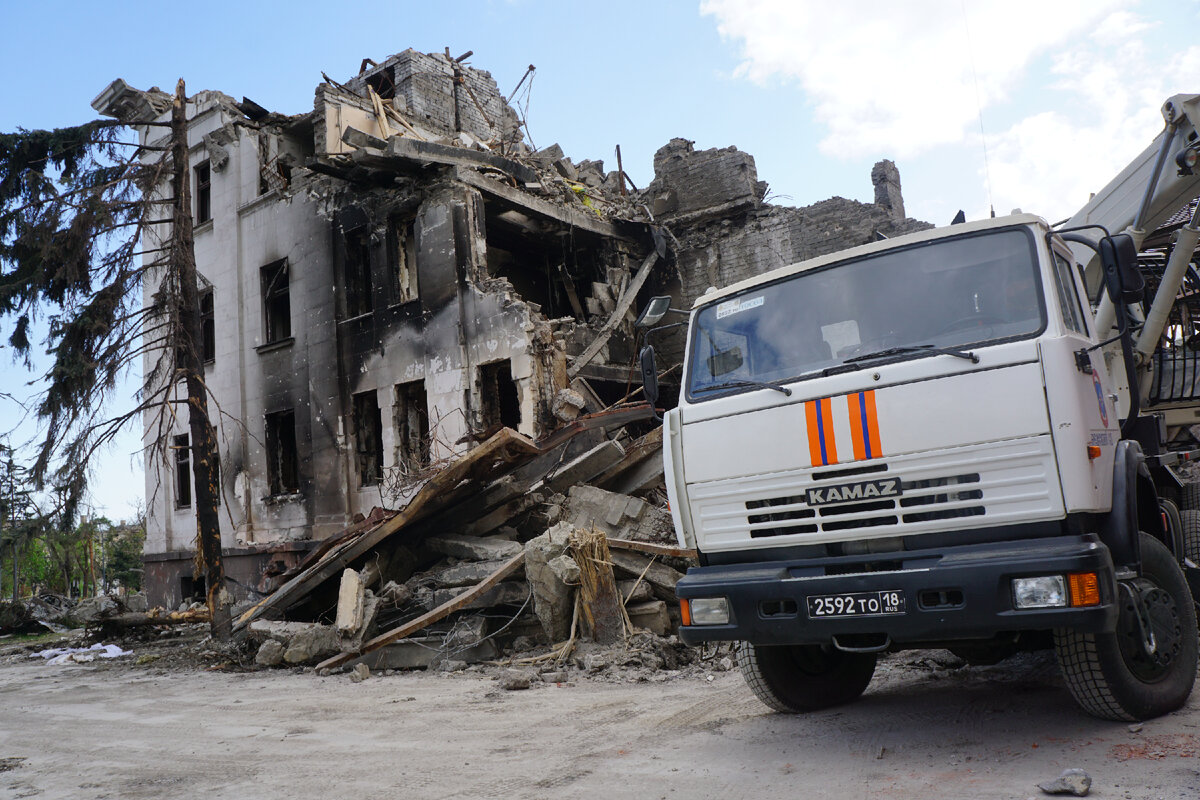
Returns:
point(485, 559)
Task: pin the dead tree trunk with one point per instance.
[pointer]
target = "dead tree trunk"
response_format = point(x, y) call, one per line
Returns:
point(203, 440)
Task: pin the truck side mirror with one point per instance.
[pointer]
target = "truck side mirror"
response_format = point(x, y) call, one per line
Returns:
point(1118, 256)
point(649, 377)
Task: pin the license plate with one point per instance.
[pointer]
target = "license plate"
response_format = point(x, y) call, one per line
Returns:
point(856, 604)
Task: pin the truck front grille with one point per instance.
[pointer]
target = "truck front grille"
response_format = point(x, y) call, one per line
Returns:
point(797, 517)
point(1001, 483)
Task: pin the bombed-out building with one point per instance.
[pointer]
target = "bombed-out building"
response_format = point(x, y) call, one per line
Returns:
point(393, 276)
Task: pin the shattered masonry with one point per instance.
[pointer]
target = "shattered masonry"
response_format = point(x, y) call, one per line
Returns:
point(394, 276)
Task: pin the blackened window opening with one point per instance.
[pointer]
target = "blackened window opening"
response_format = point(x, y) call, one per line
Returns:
point(412, 426)
point(277, 304)
point(358, 274)
point(282, 463)
point(499, 402)
point(203, 193)
point(208, 328)
point(402, 259)
point(368, 438)
point(183, 471)
point(383, 84)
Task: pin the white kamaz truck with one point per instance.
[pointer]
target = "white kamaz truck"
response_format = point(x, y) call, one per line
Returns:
point(969, 437)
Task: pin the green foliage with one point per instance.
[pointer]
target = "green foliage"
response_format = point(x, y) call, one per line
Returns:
point(123, 556)
point(74, 205)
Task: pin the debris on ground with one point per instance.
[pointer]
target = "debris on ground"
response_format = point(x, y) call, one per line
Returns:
point(1072, 781)
point(80, 655)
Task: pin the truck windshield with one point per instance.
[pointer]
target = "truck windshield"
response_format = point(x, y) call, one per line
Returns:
point(950, 293)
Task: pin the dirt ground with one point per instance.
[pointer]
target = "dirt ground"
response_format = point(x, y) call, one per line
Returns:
point(927, 728)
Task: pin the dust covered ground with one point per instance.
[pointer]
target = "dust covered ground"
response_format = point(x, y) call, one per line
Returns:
point(189, 722)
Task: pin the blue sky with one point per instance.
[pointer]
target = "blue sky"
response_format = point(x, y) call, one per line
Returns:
point(1067, 91)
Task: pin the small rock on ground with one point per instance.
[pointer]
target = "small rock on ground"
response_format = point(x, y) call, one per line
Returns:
point(1072, 781)
point(360, 673)
point(512, 679)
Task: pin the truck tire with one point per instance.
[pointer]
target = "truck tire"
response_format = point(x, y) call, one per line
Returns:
point(1189, 497)
point(1109, 674)
point(797, 678)
point(1191, 535)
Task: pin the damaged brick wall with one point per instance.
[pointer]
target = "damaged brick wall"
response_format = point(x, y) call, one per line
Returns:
point(712, 201)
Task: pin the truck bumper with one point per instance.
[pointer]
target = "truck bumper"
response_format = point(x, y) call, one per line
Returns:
point(953, 593)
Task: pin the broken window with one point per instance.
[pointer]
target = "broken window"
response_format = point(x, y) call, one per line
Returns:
point(358, 274)
point(411, 413)
point(283, 473)
point(499, 404)
point(203, 193)
point(368, 438)
point(277, 305)
point(383, 84)
point(402, 258)
point(183, 471)
point(208, 328)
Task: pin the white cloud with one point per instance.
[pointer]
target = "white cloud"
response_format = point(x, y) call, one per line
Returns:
point(900, 73)
point(1109, 95)
point(1069, 90)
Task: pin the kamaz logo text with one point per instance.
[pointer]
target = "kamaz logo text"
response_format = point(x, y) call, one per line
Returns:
point(847, 492)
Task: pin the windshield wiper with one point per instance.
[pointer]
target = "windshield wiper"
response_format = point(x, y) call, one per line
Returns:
point(915, 348)
point(740, 383)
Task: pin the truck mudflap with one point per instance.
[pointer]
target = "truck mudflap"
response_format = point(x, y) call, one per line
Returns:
point(914, 596)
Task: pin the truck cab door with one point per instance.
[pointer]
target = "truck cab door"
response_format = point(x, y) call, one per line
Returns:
point(1079, 391)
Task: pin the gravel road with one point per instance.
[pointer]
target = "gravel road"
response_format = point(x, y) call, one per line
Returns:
point(921, 731)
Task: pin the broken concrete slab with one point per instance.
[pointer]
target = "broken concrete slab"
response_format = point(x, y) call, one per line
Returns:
point(586, 466)
point(661, 577)
point(553, 599)
point(350, 604)
point(472, 548)
point(652, 616)
point(512, 593)
point(270, 654)
point(467, 573)
point(618, 515)
point(422, 652)
point(634, 591)
point(310, 644)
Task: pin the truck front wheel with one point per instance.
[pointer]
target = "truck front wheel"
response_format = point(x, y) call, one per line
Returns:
point(1147, 667)
point(797, 678)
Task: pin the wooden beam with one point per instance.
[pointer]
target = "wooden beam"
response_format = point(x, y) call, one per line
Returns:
point(425, 620)
point(505, 445)
point(656, 549)
point(618, 314)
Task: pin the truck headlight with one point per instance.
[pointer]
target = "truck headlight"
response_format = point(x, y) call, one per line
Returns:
point(1046, 591)
point(705, 611)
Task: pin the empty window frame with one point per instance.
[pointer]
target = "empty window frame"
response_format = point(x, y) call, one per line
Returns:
point(357, 273)
point(368, 438)
point(499, 403)
point(411, 416)
point(183, 471)
point(277, 304)
point(283, 472)
point(203, 192)
point(208, 328)
point(383, 83)
point(402, 258)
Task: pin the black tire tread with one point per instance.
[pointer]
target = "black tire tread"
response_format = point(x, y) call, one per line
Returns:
point(1080, 664)
point(786, 688)
point(1189, 497)
point(1093, 667)
point(747, 659)
point(1191, 535)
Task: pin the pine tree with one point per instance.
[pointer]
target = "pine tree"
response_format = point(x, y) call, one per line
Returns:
point(84, 227)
